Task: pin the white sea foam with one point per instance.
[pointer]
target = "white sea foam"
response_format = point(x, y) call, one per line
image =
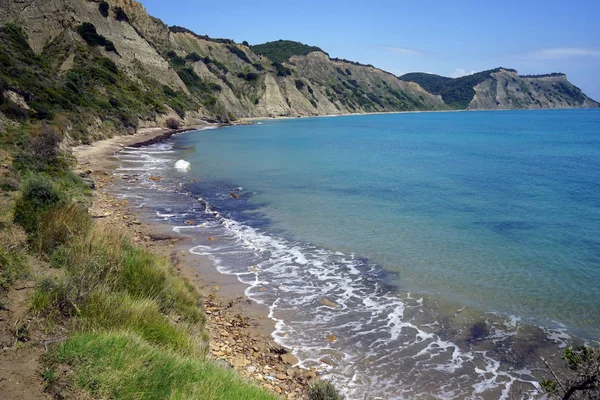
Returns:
point(182, 165)
point(376, 331)
point(291, 278)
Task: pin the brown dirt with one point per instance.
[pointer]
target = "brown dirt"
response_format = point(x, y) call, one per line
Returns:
point(20, 349)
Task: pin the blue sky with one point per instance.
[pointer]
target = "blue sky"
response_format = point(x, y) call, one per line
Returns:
point(449, 38)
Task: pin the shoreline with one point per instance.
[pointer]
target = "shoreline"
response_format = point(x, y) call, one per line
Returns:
point(240, 329)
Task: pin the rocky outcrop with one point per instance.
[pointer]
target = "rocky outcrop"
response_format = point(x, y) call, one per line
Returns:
point(507, 90)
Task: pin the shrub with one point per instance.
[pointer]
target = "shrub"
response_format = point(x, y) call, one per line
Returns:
point(281, 70)
point(120, 15)
point(193, 57)
point(299, 84)
point(60, 225)
point(3, 88)
point(13, 266)
point(45, 145)
point(173, 123)
point(323, 390)
point(39, 194)
point(239, 53)
point(9, 184)
point(13, 110)
point(258, 67)
point(251, 76)
point(103, 7)
point(245, 43)
point(88, 32)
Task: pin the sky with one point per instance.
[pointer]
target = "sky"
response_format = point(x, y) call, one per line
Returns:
point(450, 38)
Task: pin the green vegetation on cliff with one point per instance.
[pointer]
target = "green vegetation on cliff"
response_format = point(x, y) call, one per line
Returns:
point(281, 50)
point(456, 92)
point(94, 87)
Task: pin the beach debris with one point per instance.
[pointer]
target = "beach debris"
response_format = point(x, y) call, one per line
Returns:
point(155, 178)
point(216, 288)
point(211, 238)
point(190, 222)
point(331, 338)
point(254, 269)
point(326, 302)
point(233, 195)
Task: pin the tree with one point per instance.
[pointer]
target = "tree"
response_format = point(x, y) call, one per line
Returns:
point(583, 377)
point(103, 7)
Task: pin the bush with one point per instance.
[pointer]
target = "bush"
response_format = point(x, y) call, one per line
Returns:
point(13, 266)
point(88, 32)
point(173, 123)
point(323, 390)
point(120, 15)
point(45, 145)
point(239, 53)
point(281, 70)
point(258, 67)
point(299, 84)
point(251, 76)
point(60, 225)
point(3, 88)
point(193, 57)
point(9, 184)
point(13, 110)
point(103, 7)
point(39, 194)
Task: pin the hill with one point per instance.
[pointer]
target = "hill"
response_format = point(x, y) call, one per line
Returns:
point(503, 88)
point(108, 66)
point(281, 50)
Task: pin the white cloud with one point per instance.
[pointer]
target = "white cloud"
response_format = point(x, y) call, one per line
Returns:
point(458, 72)
point(403, 50)
point(564, 52)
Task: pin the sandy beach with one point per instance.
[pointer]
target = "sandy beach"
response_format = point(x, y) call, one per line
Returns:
point(239, 328)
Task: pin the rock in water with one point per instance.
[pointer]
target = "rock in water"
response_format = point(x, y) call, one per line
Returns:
point(326, 302)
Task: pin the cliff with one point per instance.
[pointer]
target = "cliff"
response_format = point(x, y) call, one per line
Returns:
point(108, 65)
point(502, 89)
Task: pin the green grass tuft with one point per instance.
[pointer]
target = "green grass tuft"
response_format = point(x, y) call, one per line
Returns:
point(122, 365)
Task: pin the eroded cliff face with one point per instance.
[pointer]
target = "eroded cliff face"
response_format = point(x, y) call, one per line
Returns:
point(248, 85)
point(202, 78)
point(507, 90)
point(48, 20)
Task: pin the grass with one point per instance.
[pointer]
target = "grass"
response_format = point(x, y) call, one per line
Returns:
point(122, 365)
point(139, 327)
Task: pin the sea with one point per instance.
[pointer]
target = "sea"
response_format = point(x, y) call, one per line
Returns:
point(433, 255)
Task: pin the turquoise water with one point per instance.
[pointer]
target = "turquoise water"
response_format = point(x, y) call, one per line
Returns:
point(446, 253)
point(497, 210)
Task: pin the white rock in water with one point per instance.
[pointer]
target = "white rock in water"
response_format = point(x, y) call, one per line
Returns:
point(182, 165)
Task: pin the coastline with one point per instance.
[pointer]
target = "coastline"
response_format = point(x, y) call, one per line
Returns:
point(232, 319)
point(240, 329)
